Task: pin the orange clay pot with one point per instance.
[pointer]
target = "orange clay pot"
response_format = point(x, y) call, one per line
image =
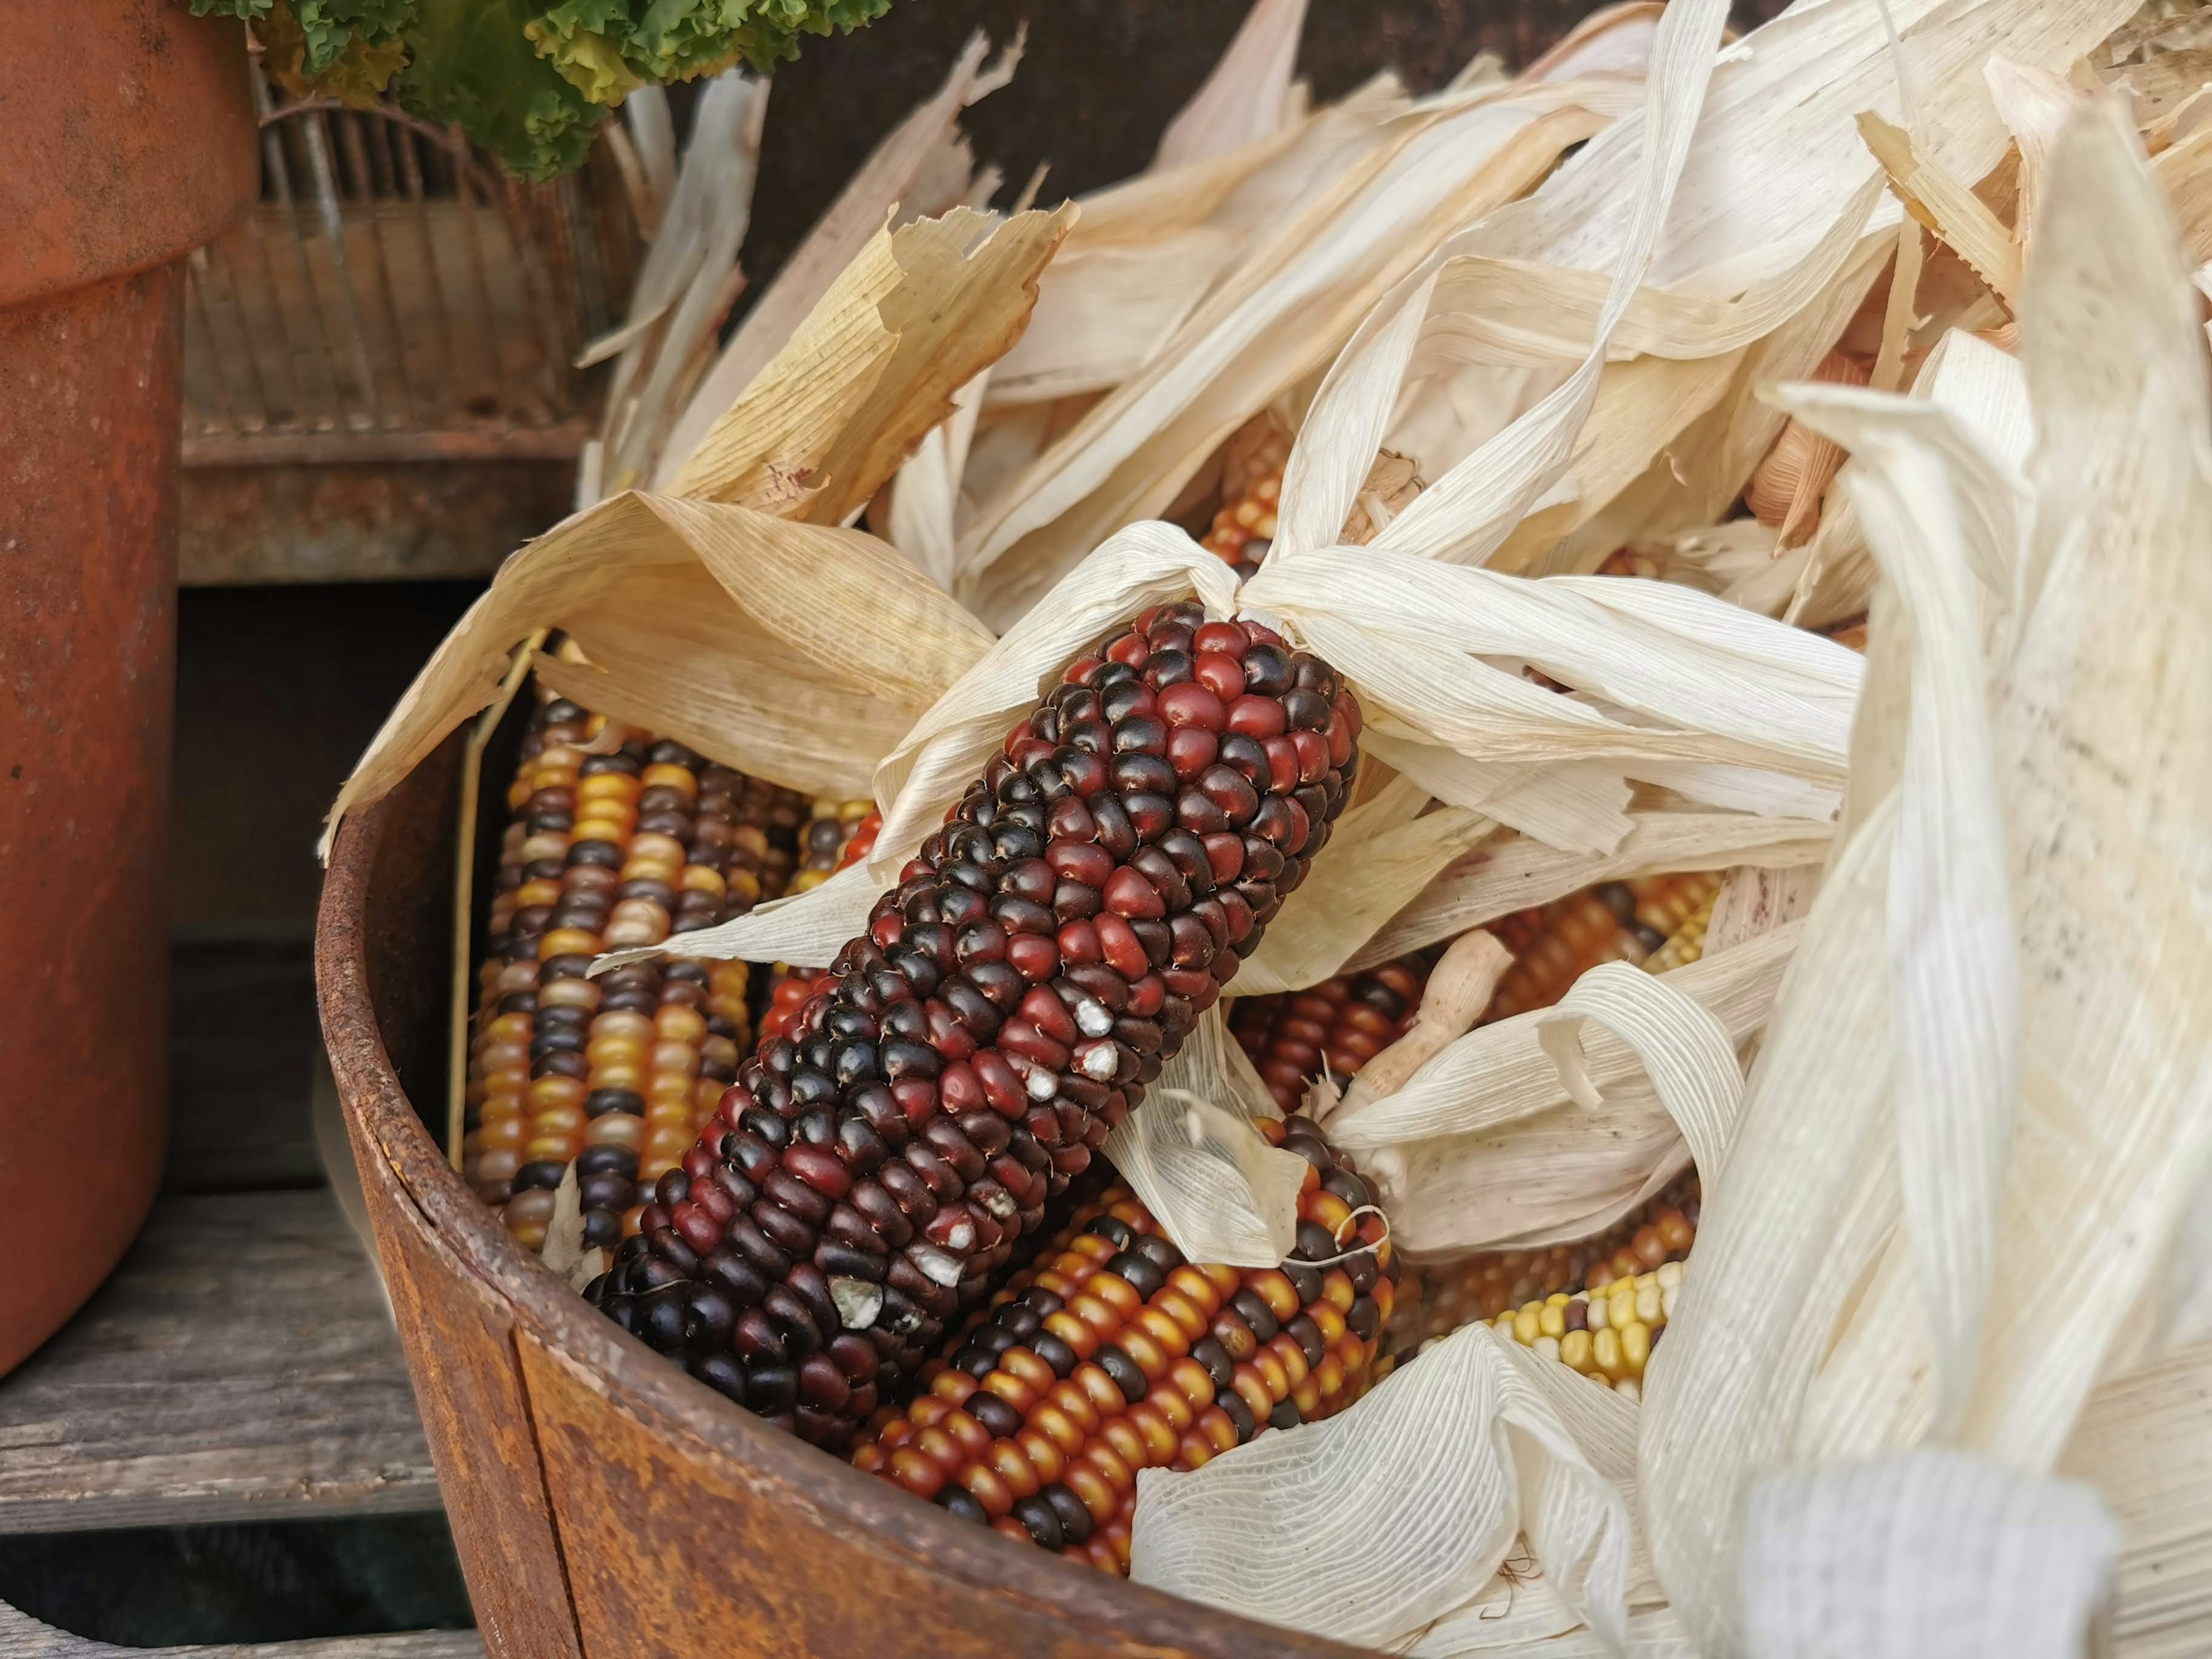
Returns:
point(129, 140)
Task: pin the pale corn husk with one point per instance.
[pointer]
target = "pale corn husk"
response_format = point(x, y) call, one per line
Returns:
point(684, 289)
point(1485, 1146)
point(923, 165)
point(1407, 1507)
point(1460, 987)
point(1139, 258)
point(721, 621)
point(1760, 235)
point(1276, 319)
point(1511, 873)
point(1901, 1554)
point(1833, 574)
point(2100, 801)
point(1614, 40)
point(1194, 1158)
point(1244, 100)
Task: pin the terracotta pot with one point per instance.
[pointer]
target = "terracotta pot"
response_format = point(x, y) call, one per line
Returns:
point(604, 1502)
point(129, 140)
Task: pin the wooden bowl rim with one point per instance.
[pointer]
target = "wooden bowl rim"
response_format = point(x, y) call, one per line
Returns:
point(660, 1396)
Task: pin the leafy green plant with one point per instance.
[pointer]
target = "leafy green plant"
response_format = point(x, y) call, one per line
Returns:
point(528, 82)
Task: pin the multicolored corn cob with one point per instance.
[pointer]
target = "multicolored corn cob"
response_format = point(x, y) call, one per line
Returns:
point(1555, 944)
point(615, 1075)
point(841, 832)
point(873, 1172)
point(1435, 1300)
point(830, 828)
point(1606, 1328)
point(1339, 1025)
point(1115, 1355)
point(1244, 526)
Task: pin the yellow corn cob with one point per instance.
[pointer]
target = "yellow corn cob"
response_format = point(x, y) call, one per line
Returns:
point(615, 1075)
point(1606, 1331)
point(1435, 1301)
point(1115, 1354)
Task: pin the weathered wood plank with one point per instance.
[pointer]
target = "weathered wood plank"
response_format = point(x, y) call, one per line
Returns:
point(420, 518)
point(23, 1637)
point(241, 1363)
point(243, 1051)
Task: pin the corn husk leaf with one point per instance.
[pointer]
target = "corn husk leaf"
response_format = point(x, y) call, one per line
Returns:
point(1484, 1145)
point(2144, 1441)
point(925, 146)
point(685, 605)
point(1511, 872)
point(2100, 811)
point(1382, 852)
point(686, 285)
point(1900, 1555)
point(1295, 296)
point(935, 334)
point(1191, 1154)
point(1436, 1472)
point(1788, 96)
point(1242, 101)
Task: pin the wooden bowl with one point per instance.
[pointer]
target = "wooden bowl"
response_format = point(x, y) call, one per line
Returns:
point(603, 1502)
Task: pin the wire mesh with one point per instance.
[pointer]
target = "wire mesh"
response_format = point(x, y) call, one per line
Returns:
point(395, 296)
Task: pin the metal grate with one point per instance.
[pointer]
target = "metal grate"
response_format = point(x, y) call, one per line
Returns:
point(396, 296)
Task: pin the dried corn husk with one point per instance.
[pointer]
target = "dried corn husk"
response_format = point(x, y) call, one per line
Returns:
point(704, 615)
point(1243, 100)
point(923, 165)
point(1195, 1161)
point(684, 289)
point(1413, 1502)
point(1755, 231)
point(2101, 811)
point(1274, 319)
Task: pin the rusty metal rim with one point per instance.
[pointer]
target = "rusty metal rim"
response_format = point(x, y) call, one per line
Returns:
point(645, 1386)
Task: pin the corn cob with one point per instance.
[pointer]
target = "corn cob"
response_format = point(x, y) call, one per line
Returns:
point(1244, 526)
point(840, 833)
point(1117, 1355)
point(1435, 1301)
point(830, 831)
point(1607, 1329)
point(1555, 944)
point(872, 1172)
point(615, 1075)
point(1340, 1024)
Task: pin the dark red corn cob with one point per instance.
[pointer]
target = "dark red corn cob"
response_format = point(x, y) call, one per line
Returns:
point(876, 1171)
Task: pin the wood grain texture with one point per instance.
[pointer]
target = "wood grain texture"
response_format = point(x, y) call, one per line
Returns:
point(239, 1364)
point(420, 520)
point(242, 1052)
point(23, 1637)
point(688, 1525)
point(457, 1330)
point(459, 1343)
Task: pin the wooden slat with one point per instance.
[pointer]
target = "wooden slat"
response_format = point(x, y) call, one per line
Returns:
point(23, 1637)
point(432, 518)
point(240, 1365)
point(243, 1049)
